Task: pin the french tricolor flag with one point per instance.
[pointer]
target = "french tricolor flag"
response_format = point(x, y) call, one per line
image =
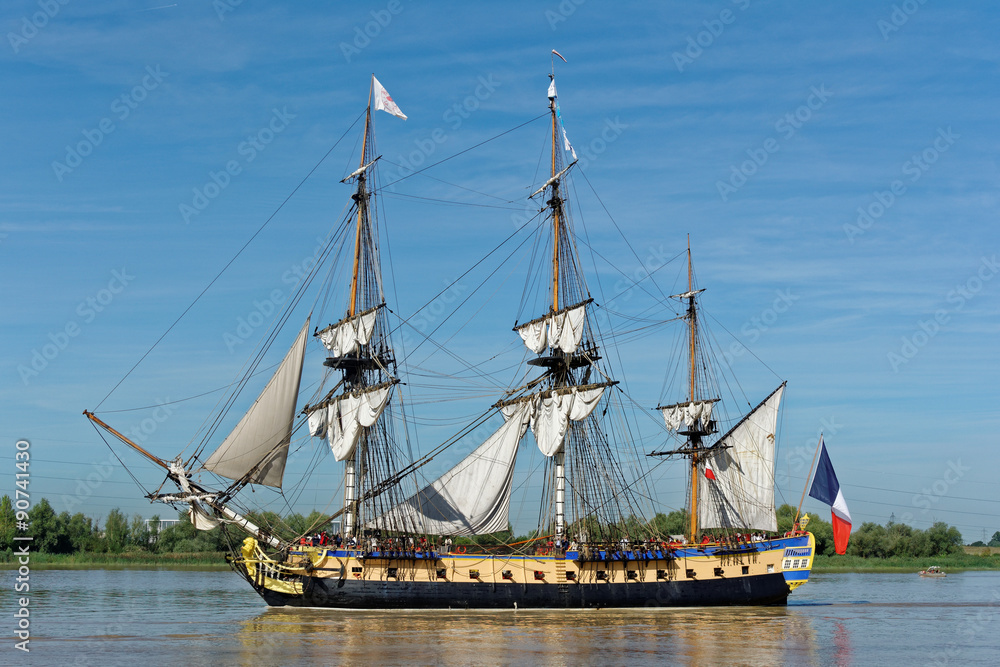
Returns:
point(826, 488)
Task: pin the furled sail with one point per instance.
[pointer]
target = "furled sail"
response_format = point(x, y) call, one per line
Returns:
point(687, 413)
point(562, 330)
point(259, 443)
point(554, 410)
point(472, 498)
point(742, 494)
point(350, 333)
point(200, 518)
point(550, 411)
point(342, 419)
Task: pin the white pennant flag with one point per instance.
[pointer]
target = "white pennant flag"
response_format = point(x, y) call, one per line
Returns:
point(384, 102)
point(568, 146)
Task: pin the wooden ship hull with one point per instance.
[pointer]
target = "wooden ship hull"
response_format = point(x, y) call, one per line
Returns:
point(758, 573)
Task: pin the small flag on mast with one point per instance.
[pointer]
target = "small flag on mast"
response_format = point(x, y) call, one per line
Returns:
point(555, 99)
point(826, 488)
point(566, 145)
point(384, 101)
point(709, 472)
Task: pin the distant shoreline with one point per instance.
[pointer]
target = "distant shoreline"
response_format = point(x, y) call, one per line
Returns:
point(125, 561)
point(211, 561)
point(958, 562)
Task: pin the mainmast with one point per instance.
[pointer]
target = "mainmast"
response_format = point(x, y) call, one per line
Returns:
point(569, 364)
point(562, 376)
point(554, 202)
point(561, 403)
point(559, 458)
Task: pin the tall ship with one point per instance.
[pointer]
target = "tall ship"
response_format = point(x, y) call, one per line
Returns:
point(401, 541)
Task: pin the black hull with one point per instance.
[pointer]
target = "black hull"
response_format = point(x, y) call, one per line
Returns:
point(768, 589)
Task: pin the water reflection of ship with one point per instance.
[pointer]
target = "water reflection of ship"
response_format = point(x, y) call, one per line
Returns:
point(771, 635)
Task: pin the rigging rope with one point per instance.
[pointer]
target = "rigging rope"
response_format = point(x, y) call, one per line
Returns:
point(120, 462)
point(228, 264)
point(434, 164)
point(450, 201)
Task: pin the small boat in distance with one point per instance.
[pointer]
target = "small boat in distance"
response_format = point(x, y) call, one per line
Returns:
point(932, 571)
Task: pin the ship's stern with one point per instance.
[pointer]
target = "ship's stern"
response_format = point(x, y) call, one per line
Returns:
point(797, 558)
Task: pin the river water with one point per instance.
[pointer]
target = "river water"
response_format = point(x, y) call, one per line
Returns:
point(164, 617)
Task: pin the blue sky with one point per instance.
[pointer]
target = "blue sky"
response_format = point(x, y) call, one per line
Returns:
point(835, 167)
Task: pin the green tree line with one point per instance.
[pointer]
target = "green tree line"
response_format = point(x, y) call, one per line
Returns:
point(994, 541)
point(872, 540)
point(65, 533)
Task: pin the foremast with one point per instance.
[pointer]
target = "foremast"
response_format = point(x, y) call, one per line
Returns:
point(361, 198)
point(352, 375)
point(350, 415)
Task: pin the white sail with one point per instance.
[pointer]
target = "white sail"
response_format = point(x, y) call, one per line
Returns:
point(317, 423)
point(260, 441)
point(687, 413)
point(549, 421)
point(552, 411)
point(566, 329)
point(200, 518)
point(349, 334)
point(348, 415)
point(472, 498)
point(742, 494)
point(562, 330)
point(535, 335)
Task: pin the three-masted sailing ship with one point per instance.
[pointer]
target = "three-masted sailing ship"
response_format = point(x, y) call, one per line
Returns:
point(395, 546)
